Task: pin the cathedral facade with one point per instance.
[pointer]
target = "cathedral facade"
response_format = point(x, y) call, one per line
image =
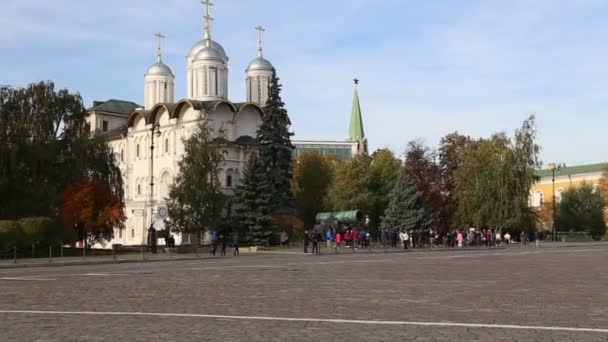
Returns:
point(148, 141)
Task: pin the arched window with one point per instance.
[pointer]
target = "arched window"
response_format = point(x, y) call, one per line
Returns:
point(558, 195)
point(138, 189)
point(137, 151)
point(166, 145)
point(229, 174)
point(122, 155)
point(539, 198)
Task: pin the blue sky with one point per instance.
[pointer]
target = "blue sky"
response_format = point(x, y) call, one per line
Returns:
point(427, 67)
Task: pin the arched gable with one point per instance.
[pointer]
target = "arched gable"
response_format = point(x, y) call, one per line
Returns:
point(248, 119)
point(184, 107)
point(159, 109)
point(136, 115)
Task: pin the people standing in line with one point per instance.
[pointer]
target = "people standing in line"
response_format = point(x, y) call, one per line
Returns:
point(403, 238)
point(507, 238)
point(315, 243)
point(394, 239)
point(346, 237)
point(222, 244)
point(213, 242)
point(235, 243)
point(284, 238)
point(328, 238)
point(306, 241)
point(356, 238)
point(338, 240)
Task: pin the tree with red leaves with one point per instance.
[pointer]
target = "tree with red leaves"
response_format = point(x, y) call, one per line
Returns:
point(420, 165)
point(91, 207)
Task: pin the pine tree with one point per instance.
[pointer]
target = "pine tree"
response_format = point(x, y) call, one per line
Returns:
point(251, 205)
point(275, 151)
point(406, 207)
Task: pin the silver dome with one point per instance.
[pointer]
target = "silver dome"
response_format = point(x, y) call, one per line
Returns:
point(260, 63)
point(159, 69)
point(196, 48)
point(209, 53)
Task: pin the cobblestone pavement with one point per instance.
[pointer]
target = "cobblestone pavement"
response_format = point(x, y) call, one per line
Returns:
point(511, 290)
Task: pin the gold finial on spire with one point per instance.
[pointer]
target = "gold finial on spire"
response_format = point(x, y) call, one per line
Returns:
point(208, 19)
point(159, 51)
point(260, 37)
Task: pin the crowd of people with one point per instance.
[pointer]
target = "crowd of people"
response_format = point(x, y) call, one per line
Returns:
point(415, 238)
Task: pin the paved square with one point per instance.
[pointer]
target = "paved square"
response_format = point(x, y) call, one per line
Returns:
point(547, 294)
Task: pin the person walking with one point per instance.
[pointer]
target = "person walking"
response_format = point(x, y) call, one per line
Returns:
point(459, 238)
point(235, 243)
point(222, 245)
point(507, 238)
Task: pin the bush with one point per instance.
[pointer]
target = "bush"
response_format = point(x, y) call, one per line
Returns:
point(40, 229)
point(10, 234)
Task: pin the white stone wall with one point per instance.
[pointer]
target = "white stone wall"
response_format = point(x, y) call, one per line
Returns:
point(168, 151)
point(207, 80)
point(96, 119)
point(257, 83)
point(158, 89)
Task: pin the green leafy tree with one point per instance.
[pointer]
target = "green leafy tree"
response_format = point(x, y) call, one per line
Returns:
point(525, 162)
point(275, 151)
point(406, 209)
point(381, 177)
point(451, 158)
point(252, 207)
point(582, 210)
point(363, 183)
point(484, 191)
point(45, 145)
point(492, 185)
point(312, 178)
point(603, 186)
point(350, 189)
point(195, 200)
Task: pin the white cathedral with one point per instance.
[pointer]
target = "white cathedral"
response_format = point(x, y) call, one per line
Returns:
point(148, 142)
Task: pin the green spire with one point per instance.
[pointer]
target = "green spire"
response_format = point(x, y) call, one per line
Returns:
point(355, 131)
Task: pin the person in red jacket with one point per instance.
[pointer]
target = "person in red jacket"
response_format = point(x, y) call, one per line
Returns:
point(347, 237)
point(356, 237)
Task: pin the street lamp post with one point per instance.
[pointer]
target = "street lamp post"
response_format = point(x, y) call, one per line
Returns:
point(554, 167)
point(155, 126)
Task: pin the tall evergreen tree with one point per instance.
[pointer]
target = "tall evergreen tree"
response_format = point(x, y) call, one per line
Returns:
point(275, 151)
point(195, 198)
point(252, 207)
point(406, 207)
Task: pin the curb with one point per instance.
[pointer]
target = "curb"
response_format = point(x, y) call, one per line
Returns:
point(101, 262)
